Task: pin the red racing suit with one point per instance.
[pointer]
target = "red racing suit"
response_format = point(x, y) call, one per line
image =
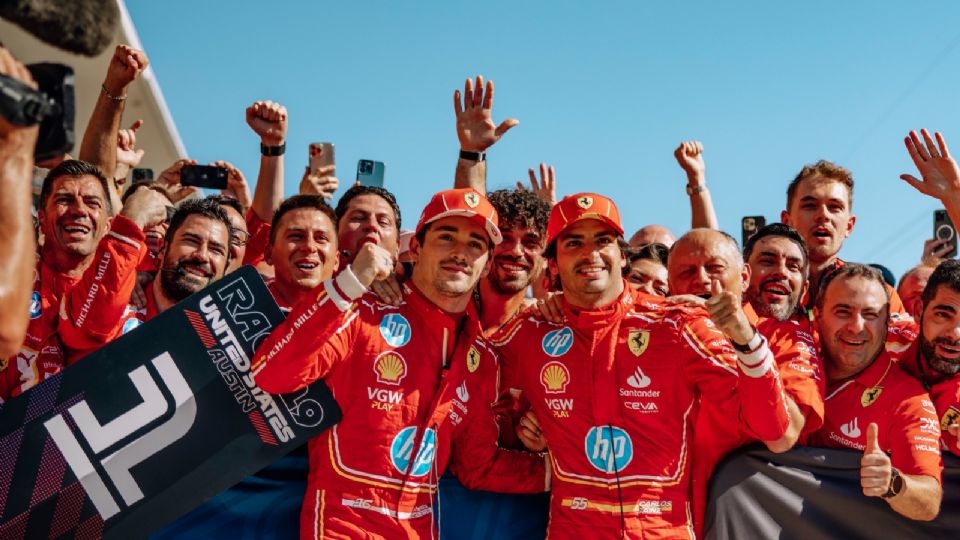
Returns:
point(794, 350)
point(416, 385)
point(70, 317)
point(944, 391)
point(616, 391)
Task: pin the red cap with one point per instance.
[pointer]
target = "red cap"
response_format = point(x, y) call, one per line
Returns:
point(573, 208)
point(464, 202)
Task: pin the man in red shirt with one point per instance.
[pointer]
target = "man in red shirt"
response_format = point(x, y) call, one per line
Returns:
point(415, 382)
point(934, 358)
point(617, 385)
point(771, 285)
point(820, 208)
point(87, 261)
point(302, 248)
point(871, 404)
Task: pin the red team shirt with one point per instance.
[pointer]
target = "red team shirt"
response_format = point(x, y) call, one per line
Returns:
point(616, 392)
point(884, 394)
point(944, 391)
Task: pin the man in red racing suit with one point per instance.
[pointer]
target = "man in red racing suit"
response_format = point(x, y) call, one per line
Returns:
point(617, 386)
point(416, 382)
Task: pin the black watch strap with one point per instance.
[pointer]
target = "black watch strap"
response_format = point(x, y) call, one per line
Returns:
point(896, 484)
point(473, 156)
point(273, 150)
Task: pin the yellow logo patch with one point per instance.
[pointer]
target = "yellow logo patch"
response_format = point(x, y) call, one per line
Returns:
point(952, 416)
point(870, 395)
point(473, 359)
point(638, 340)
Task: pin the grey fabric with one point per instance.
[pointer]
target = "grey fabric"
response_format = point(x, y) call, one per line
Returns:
point(811, 493)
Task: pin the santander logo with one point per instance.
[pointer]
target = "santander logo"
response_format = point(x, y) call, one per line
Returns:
point(851, 429)
point(639, 379)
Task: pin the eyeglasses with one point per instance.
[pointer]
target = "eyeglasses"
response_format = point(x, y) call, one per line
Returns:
point(239, 238)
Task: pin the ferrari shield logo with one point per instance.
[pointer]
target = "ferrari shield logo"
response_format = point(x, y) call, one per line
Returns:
point(870, 395)
point(952, 416)
point(473, 359)
point(638, 341)
point(472, 199)
point(585, 202)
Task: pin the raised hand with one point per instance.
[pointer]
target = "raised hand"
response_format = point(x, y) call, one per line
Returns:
point(546, 187)
point(690, 157)
point(237, 186)
point(146, 208)
point(169, 180)
point(320, 182)
point(128, 155)
point(475, 127)
point(727, 313)
point(268, 120)
point(934, 249)
point(875, 467)
point(941, 176)
point(126, 65)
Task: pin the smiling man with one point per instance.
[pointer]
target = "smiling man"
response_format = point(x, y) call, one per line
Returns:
point(820, 208)
point(934, 359)
point(302, 249)
point(871, 404)
point(86, 262)
point(615, 386)
point(415, 382)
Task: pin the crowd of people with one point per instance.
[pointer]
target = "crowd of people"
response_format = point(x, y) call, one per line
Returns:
point(520, 341)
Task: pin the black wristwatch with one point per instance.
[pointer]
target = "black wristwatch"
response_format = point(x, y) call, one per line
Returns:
point(271, 151)
point(896, 484)
point(473, 156)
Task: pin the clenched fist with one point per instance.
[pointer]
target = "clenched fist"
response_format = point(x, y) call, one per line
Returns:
point(268, 120)
point(372, 263)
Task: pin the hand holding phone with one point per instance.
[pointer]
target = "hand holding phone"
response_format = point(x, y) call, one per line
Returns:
point(944, 230)
point(204, 176)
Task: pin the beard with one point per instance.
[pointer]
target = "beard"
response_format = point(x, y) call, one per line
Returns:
point(936, 362)
point(177, 284)
point(509, 286)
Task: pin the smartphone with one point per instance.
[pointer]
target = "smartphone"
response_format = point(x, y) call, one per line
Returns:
point(142, 175)
point(205, 176)
point(943, 229)
point(370, 173)
point(750, 225)
point(321, 155)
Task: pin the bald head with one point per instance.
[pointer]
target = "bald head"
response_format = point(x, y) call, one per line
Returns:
point(911, 288)
point(652, 234)
point(704, 255)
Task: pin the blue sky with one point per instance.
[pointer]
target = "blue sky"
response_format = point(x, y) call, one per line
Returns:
point(604, 91)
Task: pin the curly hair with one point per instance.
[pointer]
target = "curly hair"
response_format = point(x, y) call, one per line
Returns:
point(523, 207)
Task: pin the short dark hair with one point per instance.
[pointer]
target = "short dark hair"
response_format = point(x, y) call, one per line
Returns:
point(203, 207)
point(359, 190)
point(825, 169)
point(224, 200)
point(523, 207)
point(655, 252)
point(947, 273)
point(849, 271)
point(74, 167)
point(296, 202)
point(778, 229)
point(551, 251)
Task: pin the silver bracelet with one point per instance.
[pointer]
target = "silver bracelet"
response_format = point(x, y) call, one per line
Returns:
point(111, 96)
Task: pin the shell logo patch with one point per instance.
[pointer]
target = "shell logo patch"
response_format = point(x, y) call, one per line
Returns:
point(554, 376)
point(390, 368)
point(473, 359)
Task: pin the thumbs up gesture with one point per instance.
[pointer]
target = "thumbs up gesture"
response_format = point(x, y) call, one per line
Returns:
point(727, 313)
point(875, 468)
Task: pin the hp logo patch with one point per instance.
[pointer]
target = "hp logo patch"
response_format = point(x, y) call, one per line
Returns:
point(401, 451)
point(608, 448)
point(131, 324)
point(558, 342)
point(395, 330)
point(35, 305)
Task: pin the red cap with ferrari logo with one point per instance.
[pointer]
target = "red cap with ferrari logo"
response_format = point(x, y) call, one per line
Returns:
point(466, 203)
point(573, 208)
